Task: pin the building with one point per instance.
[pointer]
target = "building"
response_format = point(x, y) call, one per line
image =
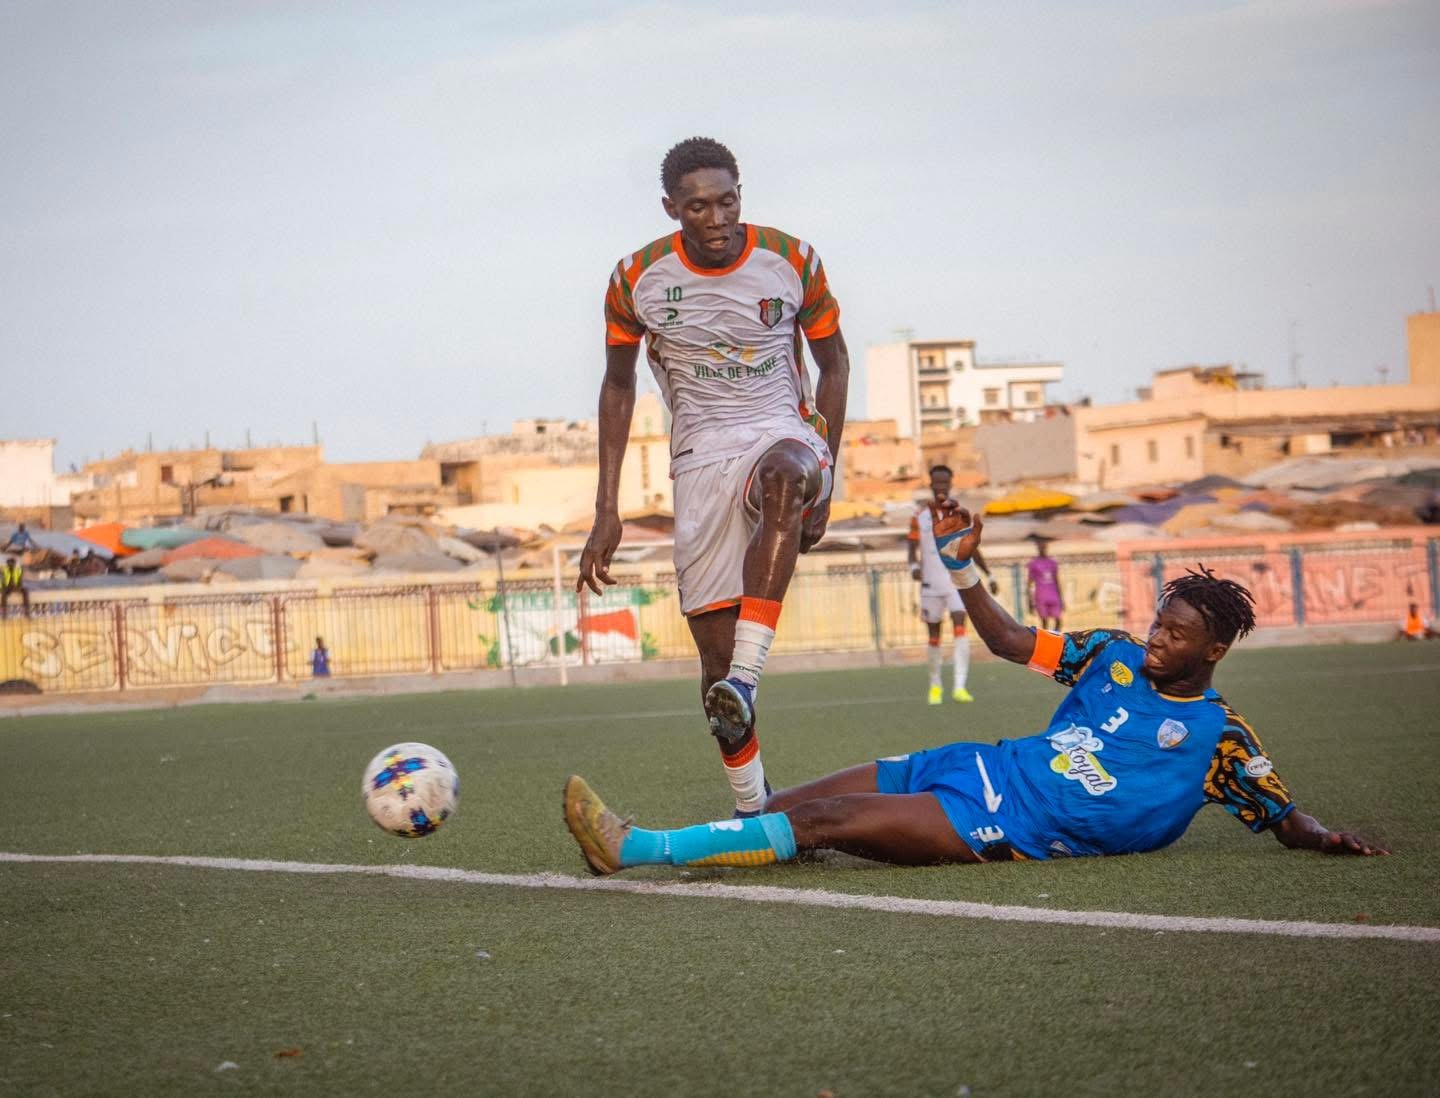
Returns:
point(359, 491)
point(940, 385)
point(1422, 333)
point(545, 471)
point(1200, 420)
point(30, 489)
point(139, 488)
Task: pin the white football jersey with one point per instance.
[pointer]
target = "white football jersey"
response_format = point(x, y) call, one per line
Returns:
point(724, 344)
point(934, 576)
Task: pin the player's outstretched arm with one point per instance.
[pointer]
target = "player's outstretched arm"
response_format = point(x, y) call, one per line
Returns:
point(957, 534)
point(1301, 832)
point(617, 406)
point(832, 359)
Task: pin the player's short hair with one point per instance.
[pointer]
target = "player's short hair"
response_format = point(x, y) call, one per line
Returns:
point(1226, 606)
point(941, 469)
point(693, 154)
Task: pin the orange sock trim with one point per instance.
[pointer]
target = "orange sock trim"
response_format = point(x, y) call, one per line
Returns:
point(744, 756)
point(764, 611)
point(959, 630)
point(933, 642)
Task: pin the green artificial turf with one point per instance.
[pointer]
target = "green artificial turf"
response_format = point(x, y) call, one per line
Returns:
point(138, 979)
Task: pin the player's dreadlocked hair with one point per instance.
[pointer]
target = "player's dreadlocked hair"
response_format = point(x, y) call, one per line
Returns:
point(1227, 607)
point(692, 154)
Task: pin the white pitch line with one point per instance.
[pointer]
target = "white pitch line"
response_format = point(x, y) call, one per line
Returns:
point(901, 905)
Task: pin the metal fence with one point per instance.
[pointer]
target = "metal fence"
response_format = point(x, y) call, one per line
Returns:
point(837, 603)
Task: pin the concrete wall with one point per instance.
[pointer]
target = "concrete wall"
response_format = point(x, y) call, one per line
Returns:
point(1043, 450)
point(890, 387)
point(1422, 332)
point(1125, 455)
point(27, 473)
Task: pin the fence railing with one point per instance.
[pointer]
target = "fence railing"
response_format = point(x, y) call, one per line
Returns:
point(850, 602)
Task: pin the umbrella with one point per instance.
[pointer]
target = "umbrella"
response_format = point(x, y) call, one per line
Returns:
point(390, 538)
point(1251, 521)
point(161, 537)
point(107, 535)
point(490, 540)
point(1029, 499)
point(270, 566)
point(416, 563)
point(1194, 516)
point(1209, 483)
point(65, 544)
point(278, 537)
point(462, 551)
point(331, 568)
point(212, 548)
point(1129, 531)
point(1102, 501)
point(1155, 514)
point(144, 561)
point(1421, 478)
point(190, 570)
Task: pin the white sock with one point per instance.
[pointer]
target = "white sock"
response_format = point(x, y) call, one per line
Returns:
point(962, 660)
point(746, 774)
point(752, 645)
point(935, 661)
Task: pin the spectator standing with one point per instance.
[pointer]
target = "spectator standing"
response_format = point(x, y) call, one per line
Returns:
point(320, 660)
point(12, 580)
point(1042, 582)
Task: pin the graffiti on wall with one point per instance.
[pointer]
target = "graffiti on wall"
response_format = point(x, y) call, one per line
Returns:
point(1336, 587)
point(209, 647)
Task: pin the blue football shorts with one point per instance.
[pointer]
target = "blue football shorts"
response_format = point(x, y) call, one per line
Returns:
point(950, 774)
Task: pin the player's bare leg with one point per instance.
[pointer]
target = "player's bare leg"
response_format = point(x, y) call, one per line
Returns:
point(853, 779)
point(784, 480)
point(902, 829)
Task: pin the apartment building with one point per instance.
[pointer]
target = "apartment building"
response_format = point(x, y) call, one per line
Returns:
point(926, 385)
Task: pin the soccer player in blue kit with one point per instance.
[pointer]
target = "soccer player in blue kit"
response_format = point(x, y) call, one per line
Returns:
point(1140, 744)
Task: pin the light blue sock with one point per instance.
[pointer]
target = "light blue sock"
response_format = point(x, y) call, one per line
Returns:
point(760, 840)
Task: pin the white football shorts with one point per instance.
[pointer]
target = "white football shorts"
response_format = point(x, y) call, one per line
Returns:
point(714, 520)
point(935, 604)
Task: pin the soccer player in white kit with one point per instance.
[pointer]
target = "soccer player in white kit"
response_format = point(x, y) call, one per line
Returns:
point(722, 306)
point(937, 593)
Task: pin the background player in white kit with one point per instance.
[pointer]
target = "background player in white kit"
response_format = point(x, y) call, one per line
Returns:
point(721, 306)
point(937, 594)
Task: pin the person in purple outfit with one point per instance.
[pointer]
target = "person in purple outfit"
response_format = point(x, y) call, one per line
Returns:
point(1042, 587)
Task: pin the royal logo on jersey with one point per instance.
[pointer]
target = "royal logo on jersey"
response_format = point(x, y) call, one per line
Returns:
point(771, 309)
point(1259, 766)
point(1121, 674)
point(1171, 733)
point(1077, 760)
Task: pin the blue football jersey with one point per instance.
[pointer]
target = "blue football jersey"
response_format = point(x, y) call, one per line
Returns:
point(1123, 767)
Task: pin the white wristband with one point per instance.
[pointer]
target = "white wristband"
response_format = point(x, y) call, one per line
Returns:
point(965, 577)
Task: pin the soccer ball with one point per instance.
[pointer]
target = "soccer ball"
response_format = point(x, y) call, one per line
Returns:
point(410, 789)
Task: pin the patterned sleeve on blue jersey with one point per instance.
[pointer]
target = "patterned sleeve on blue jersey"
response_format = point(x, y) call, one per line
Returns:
point(1064, 656)
point(1242, 779)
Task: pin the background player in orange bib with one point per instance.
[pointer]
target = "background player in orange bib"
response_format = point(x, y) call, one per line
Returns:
point(721, 306)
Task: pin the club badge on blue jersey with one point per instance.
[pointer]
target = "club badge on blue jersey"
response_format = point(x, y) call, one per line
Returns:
point(1171, 733)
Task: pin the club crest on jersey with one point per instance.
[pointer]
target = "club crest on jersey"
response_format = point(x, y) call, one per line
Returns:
point(1121, 674)
point(1171, 733)
point(771, 309)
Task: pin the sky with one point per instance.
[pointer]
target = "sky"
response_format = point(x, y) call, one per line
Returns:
point(393, 222)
